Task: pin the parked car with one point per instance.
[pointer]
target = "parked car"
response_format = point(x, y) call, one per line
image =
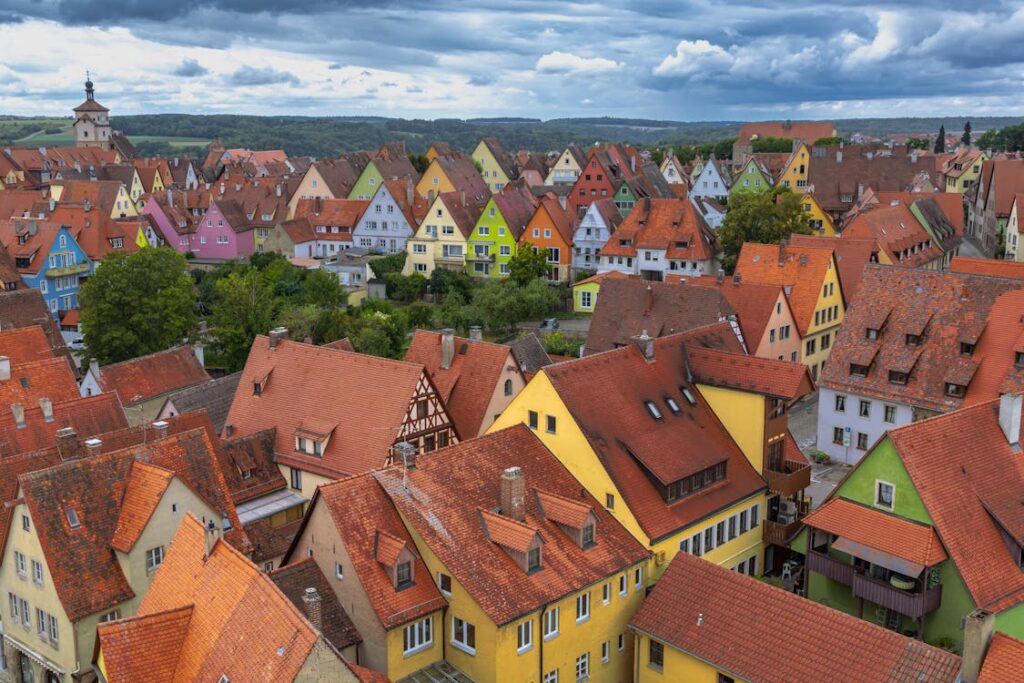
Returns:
point(77, 344)
point(549, 324)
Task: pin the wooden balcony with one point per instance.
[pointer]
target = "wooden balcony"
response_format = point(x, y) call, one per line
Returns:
point(61, 271)
point(779, 534)
point(909, 603)
point(834, 569)
point(795, 479)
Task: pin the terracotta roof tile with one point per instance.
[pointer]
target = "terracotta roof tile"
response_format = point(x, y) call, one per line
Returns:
point(336, 625)
point(802, 273)
point(25, 345)
point(851, 254)
point(252, 455)
point(987, 266)
point(88, 417)
point(147, 377)
point(25, 308)
point(465, 215)
point(508, 532)
point(768, 376)
point(50, 378)
point(838, 184)
point(449, 500)
point(160, 634)
point(342, 213)
point(462, 173)
point(808, 131)
point(566, 511)
point(387, 548)
point(705, 610)
point(146, 485)
point(754, 303)
point(1003, 659)
point(664, 224)
point(898, 233)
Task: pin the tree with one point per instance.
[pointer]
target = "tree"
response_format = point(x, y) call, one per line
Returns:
point(405, 287)
point(503, 304)
point(244, 309)
point(965, 139)
point(829, 141)
point(528, 263)
point(136, 304)
point(940, 141)
point(322, 288)
point(392, 263)
point(442, 281)
point(419, 162)
point(765, 217)
point(918, 143)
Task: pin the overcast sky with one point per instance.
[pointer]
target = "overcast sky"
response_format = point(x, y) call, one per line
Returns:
point(671, 59)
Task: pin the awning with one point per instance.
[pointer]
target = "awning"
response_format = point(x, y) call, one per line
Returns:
point(896, 564)
point(265, 506)
point(34, 656)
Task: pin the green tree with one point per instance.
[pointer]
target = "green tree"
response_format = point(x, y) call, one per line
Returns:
point(420, 314)
point(561, 344)
point(301, 322)
point(686, 154)
point(965, 139)
point(760, 217)
point(245, 308)
point(770, 144)
point(829, 141)
point(322, 288)
point(918, 143)
point(442, 281)
point(136, 304)
point(528, 264)
point(503, 304)
point(381, 334)
point(419, 162)
point(405, 287)
point(940, 140)
point(392, 263)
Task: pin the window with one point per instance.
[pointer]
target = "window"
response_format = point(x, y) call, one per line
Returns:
point(606, 593)
point(743, 522)
point(508, 387)
point(884, 494)
point(19, 560)
point(444, 583)
point(890, 414)
point(403, 574)
point(551, 676)
point(72, 516)
point(154, 558)
point(296, 476)
point(865, 408)
point(339, 573)
point(955, 390)
point(605, 651)
point(418, 636)
point(524, 633)
point(656, 655)
point(37, 572)
point(840, 403)
point(551, 623)
point(913, 339)
point(837, 435)
point(638, 577)
point(755, 515)
point(862, 441)
point(695, 543)
point(622, 585)
point(25, 523)
point(966, 349)
point(586, 300)
point(752, 566)
point(684, 545)
point(552, 424)
point(582, 607)
point(533, 420)
point(583, 667)
point(811, 346)
point(533, 559)
point(653, 410)
point(464, 635)
point(609, 501)
point(897, 377)
point(110, 616)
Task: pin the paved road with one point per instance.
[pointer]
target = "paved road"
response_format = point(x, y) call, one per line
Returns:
point(573, 326)
point(803, 422)
point(969, 249)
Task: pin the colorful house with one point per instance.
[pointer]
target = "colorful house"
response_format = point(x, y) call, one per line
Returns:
point(648, 183)
point(333, 224)
point(962, 169)
point(595, 228)
point(567, 167)
point(224, 233)
point(794, 176)
point(673, 171)
point(108, 196)
point(917, 536)
point(496, 166)
point(584, 292)
point(714, 181)
point(757, 174)
point(391, 162)
point(326, 179)
point(494, 239)
point(550, 230)
point(453, 173)
point(390, 218)
point(442, 239)
point(48, 258)
point(1013, 229)
point(819, 220)
point(601, 176)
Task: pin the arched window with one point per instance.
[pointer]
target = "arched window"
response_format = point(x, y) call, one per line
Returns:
point(508, 387)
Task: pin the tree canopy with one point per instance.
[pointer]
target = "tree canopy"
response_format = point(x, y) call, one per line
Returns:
point(528, 264)
point(764, 217)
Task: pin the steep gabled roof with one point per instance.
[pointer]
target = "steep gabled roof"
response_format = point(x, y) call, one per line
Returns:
point(754, 303)
point(88, 417)
point(768, 376)
point(465, 214)
point(898, 233)
point(851, 254)
point(49, 378)
point(214, 397)
point(144, 378)
point(501, 157)
point(336, 625)
point(462, 174)
point(670, 225)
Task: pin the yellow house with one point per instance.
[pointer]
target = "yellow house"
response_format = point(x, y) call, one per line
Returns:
point(104, 195)
point(811, 280)
point(795, 174)
point(453, 173)
point(442, 238)
point(324, 179)
point(584, 292)
point(495, 164)
point(818, 219)
point(567, 167)
point(633, 427)
point(963, 169)
point(704, 624)
point(437, 149)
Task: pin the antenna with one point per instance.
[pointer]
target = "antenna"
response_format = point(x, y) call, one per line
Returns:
point(408, 453)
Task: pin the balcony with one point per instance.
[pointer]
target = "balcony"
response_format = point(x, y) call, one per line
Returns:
point(451, 258)
point(837, 570)
point(484, 258)
point(776, 533)
point(793, 480)
point(75, 269)
point(907, 602)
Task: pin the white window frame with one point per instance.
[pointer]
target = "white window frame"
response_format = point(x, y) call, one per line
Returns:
point(154, 558)
point(892, 496)
point(582, 607)
point(463, 633)
point(524, 637)
point(418, 636)
point(607, 593)
point(583, 667)
point(551, 619)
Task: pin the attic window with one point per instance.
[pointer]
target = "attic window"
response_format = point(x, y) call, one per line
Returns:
point(872, 333)
point(682, 245)
point(1018, 358)
point(897, 377)
point(533, 560)
point(913, 339)
point(966, 349)
point(858, 370)
point(955, 390)
point(72, 516)
point(257, 388)
point(672, 405)
point(403, 575)
point(653, 410)
point(588, 536)
point(688, 395)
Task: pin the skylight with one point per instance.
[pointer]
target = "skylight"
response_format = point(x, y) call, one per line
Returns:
point(688, 395)
point(672, 405)
point(653, 410)
point(72, 516)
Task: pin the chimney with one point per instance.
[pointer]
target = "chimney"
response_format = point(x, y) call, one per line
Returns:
point(311, 602)
point(978, 628)
point(86, 205)
point(18, 411)
point(406, 453)
point(736, 278)
point(513, 494)
point(277, 335)
point(632, 163)
point(46, 406)
point(860, 191)
point(92, 446)
point(67, 442)
point(160, 428)
point(913, 157)
point(277, 190)
point(721, 276)
point(409, 192)
point(648, 299)
point(1009, 419)
point(475, 333)
point(5, 368)
point(447, 347)
point(645, 343)
point(839, 154)
point(200, 352)
point(53, 204)
point(170, 198)
point(94, 368)
point(462, 197)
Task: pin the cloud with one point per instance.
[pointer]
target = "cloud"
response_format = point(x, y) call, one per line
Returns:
point(190, 68)
point(481, 79)
point(567, 63)
point(251, 75)
point(695, 57)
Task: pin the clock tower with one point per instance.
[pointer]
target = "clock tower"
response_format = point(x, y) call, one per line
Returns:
point(92, 121)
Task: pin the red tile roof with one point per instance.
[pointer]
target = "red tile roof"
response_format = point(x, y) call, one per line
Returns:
point(768, 376)
point(705, 610)
point(1006, 179)
point(666, 225)
point(464, 213)
point(25, 345)
point(1003, 659)
point(754, 303)
point(802, 273)
point(50, 378)
point(342, 213)
point(467, 385)
point(851, 254)
point(838, 184)
point(26, 307)
point(368, 410)
point(86, 416)
point(601, 277)
point(161, 634)
point(450, 500)
point(898, 233)
point(808, 131)
point(606, 393)
point(146, 486)
point(336, 625)
point(147, 377)
point(987, 266)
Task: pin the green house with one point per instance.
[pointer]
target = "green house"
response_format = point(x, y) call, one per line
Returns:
point(492, 244)
point(753, 177)
point(927, 528)
point(390, 162)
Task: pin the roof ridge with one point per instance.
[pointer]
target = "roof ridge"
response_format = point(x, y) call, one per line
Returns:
point(175, 348)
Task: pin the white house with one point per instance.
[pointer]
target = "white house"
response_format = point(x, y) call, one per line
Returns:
point(714, 181)
point(597, 225)
point(389, 220)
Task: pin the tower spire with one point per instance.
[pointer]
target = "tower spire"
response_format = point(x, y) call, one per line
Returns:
point(89, 92)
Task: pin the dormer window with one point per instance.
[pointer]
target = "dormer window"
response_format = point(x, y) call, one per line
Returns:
point(897, 377)
point(653, 410)
point(403, 575)
point(533, 560)
point(872, 333)
point(955, 390)
point(1018, 358)
point(588, 536)
point(858, 370)
point(913, 339)
point(672, 405)
point(689, 395)
point(966, 349)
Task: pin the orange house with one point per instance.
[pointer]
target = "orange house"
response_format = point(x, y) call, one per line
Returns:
point(550, 229)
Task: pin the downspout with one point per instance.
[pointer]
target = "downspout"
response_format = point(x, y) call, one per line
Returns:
point(540, 641)
point(444, 639)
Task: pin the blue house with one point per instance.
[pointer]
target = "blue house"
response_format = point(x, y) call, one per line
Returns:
point(48, 258)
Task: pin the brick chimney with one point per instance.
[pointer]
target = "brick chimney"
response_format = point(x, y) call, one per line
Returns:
point(46, 406)
point(782, 252)
point(311, 602)
point(277, 335)
point(648, 299)
point(160, 428)
point(645, 343)
point(67, 443)
point(5, 368)
point(447, 347)
point(18, 411)
point(92, 446)
point(1009, 418)
point(721, 276)
point(513, 494)
point(978, 628)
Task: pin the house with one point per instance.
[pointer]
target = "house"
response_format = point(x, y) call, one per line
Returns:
point(37, 380)
point(475, 379)
point(809, 276)
point(202, 608)
point(382, 403)
point(817, 218)
point(714, 181)
point(917, 343)
point(585, 291)
point(326, 179)
point(1013, 226)
point(36, 427)
point(567, 167)
point(648, 183)
point(852, 256)
point(533, 170)
point(673, 171)
point(213, 397)
point(901, 236)
point(295, 239)
point(631, 307)
point(598, 224)
point(442, 238)
point(301, 583)
point(437, 149)
point(390, 218)
point(759, 172)
point(794, 175)
point(143, 384)
point(48, 258)
point(962, 169)
point(550, 230)
point(224, 233)
point(806, 132)
point(453, 173)
point(529, 353)
point(495, 237)
point(86, 537)
point(711, 210)
point(763, 312)
point(390, 162)
point(601, 176)
point(661, 237)
point(175, 220)
point(990, 201)
point(109, 197)
point(496, 166)
point(250, 208)
point(650, 447)
point(353, 267)
point(704, 623)
point(920, 533)
point(185, 173)
point(333, 223)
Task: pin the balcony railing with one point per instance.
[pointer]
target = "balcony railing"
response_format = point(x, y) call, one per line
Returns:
point(480, 257)
point(779, 534)
point(794, 479)
point(912, 604)
point(68, 270)
point(452, 258)
point(841, 572)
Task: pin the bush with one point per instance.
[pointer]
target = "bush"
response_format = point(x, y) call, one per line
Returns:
point(561, 344)
point(820, 457)
point(392, 263)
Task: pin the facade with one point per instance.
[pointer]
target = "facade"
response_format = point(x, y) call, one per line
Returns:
point(550, 230)
point(673, 171)
point(92, 122)
point(496, 166)
point(494, 239)
point(593, 232)
point(442, 239)
point(390, 218)
point(567, 167)
point(325, 179)
point(752, 177)
point(600, 177)
point(48, 258)
point(224, 233)
point(794, 175)
point(902, 236)
point(389, 163)
point(991, 200)
point(332, 225)
point(585, 291)
point(1012, 247)
point(962, 169)
point(821, 223)
point(714, 181)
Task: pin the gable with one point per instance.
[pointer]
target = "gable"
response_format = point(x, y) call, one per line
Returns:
point(883, 463)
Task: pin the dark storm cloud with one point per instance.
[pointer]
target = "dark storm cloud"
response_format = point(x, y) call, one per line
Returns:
point(251, 75)
point(190, 68)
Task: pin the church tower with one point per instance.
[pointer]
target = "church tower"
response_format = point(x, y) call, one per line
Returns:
point(92, 121)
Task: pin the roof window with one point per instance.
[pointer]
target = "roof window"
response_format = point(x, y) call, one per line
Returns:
point(872, 333)
point(858, 370)
point(955, 390)
point(897, 377)
point(672, 405)
point(72, 516)
point(653, 410)
point(689, 396)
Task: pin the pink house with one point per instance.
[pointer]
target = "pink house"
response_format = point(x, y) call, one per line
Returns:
point(225, 233)
point(175, 223)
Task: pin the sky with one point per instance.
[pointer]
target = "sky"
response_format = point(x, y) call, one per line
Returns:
point(676, 59)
